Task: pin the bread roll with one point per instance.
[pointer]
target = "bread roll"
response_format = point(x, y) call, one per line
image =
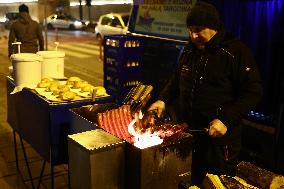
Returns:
point(87, 88)
point(79, 84)
point(71, 80)
point(46, 79)
point(74, 78)
point(61, 89)
point(53, 86)
point(98, 91)
point(45, 82)
point(68, 95)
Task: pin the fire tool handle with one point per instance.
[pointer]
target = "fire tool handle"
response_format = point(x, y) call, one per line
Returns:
point(206, 130)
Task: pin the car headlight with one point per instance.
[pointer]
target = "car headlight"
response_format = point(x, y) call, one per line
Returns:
point(3, 19)
point(77, 23)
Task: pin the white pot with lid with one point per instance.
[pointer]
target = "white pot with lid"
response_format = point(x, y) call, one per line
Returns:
point(26, 69)
point(53, 64)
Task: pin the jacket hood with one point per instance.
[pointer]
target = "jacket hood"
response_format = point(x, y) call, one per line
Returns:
point(24, 17)
point(221, 39)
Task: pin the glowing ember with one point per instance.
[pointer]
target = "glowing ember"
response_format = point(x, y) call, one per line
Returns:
point(147, 140)
point(143, 140)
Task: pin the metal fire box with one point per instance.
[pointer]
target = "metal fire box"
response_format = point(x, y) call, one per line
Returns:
point(157, 167)
point(79, 123)
point(96, 160)
point(82, 119)
point(161, 166)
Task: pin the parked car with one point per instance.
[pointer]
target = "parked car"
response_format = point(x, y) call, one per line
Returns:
point(10, 18)
point(112, 24)
point(64, 21)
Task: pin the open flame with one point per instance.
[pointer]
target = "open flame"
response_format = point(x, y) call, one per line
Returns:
point(143, 140)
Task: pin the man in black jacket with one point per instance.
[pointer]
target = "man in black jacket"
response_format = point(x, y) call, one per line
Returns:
point(26, 31)
point(216, 83)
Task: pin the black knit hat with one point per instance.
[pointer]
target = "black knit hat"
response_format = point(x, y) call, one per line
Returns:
point(204, 14)
point(23, 8)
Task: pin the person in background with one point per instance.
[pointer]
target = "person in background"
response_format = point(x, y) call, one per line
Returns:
point(26, 31)
point(216, 83)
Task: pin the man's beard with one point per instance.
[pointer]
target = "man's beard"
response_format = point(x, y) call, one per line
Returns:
point(199, 42)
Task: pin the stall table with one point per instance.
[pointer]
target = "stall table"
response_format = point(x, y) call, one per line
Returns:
point(43, 124)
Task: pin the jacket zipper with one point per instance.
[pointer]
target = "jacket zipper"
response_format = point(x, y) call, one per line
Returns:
point(202, 62)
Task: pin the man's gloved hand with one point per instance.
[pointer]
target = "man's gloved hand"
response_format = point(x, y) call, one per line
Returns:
point(159, 106)
point(217, 128)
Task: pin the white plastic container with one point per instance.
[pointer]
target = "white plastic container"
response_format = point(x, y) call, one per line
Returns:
point(53, 64)
point(26, 69)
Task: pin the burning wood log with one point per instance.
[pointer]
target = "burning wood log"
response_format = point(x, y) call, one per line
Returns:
point(231, 182)
point(212, 182)
point(138, 97)
point(259, 177)
point(225, 182)
point(129, 98)
point(193, 187)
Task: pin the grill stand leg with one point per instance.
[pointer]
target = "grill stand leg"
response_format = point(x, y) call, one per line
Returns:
point(41, 173)
point(51, 165)
point(27, 163)
point(52, 175)
point(69, 185)
point(15, 149)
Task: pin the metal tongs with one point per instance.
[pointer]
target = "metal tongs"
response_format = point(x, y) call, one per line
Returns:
point(204, 130)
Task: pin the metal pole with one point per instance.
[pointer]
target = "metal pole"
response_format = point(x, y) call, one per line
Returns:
point(100, 40)
point(89, 8)
point(56, 34)
point(80, 10)
point(45, 27)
